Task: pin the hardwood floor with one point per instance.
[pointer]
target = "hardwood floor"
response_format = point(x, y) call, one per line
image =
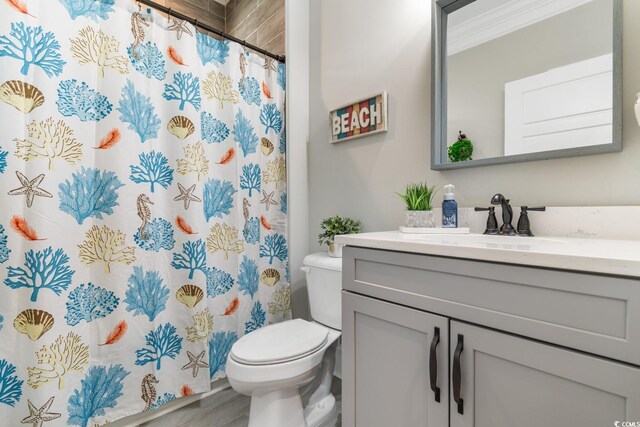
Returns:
point(224, 409)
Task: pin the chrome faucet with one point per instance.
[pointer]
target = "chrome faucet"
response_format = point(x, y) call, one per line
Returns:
point(507, 214)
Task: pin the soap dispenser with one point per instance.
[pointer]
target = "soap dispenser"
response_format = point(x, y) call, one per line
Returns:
point(449, 207)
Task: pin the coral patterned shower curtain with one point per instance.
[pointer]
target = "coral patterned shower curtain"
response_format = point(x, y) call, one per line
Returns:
point(142, 208)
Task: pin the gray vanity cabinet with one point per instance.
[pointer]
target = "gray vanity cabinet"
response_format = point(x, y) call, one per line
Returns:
point(514, 349)
point(388, 357)
point(507, 381)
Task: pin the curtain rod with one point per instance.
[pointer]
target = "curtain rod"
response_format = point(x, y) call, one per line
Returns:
point(210, 29)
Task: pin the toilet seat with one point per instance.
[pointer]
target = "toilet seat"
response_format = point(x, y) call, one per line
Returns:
point(280, 343)
point(257, 376)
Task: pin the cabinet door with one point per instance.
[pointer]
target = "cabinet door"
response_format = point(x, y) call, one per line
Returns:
point(386, 358)
point(507, 381)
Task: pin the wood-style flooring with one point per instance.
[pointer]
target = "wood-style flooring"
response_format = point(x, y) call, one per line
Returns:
point(224, 409)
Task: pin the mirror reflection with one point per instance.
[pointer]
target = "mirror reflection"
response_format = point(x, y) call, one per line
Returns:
point(527, 76)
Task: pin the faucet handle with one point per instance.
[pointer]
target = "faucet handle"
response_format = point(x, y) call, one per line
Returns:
point(539, 209)
point(524, 226)
point(492, 222)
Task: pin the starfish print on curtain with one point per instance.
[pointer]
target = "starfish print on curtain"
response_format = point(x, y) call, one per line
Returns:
point(267, 199)
point(187, 196)
point(195, 363)
point(30, 188)
point(38, 416)
point(180, 27)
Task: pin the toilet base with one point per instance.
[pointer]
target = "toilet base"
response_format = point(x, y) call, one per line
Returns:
point(322, 411)
point(281, 400)
point(320, 403)
point(277, 408)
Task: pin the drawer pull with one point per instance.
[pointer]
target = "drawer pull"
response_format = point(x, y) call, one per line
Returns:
point(457, 374)
point(433, 363)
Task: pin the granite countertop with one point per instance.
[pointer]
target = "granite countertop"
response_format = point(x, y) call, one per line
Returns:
point(619, 257)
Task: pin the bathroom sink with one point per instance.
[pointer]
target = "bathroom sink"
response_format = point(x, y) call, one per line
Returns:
point(487, 240)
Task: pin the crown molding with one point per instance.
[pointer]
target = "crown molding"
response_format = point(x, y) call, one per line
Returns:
point(497, 22)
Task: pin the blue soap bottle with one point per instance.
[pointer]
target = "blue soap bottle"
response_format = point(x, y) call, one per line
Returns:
point(449, 207)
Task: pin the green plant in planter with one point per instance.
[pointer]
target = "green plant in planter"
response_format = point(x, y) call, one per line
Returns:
point(460, 150)
point(418, 197)
point(335, 226)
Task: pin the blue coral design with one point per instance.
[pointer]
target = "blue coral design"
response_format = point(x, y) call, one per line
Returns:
point(33, 46)
point(79, 100)
point(88, 302)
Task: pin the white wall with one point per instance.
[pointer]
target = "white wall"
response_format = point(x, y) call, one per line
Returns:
point(297, 40)
point(358, 47)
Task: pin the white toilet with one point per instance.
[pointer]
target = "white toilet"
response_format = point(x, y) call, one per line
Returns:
point(287, 367)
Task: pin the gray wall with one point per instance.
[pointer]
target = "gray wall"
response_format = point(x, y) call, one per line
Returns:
point(477, 75)
point(358, 47)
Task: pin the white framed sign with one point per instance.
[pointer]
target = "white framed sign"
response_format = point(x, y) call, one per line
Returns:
point(360, 118)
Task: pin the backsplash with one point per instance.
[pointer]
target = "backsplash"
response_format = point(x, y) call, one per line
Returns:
point(603, 222)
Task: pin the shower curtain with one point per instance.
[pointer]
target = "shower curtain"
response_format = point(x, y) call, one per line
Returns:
point(143, 208)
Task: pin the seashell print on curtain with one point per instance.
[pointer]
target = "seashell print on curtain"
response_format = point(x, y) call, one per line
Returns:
point(142, 208)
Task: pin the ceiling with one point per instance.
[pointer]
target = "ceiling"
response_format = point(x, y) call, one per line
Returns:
point(223, 2)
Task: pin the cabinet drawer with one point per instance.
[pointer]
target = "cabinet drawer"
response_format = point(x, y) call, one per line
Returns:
point(594, 313)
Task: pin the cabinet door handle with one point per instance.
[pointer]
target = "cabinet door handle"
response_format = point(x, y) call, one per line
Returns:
point(457, 374)
point(433, 363)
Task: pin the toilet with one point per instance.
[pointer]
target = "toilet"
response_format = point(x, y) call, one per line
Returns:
point(287, 367)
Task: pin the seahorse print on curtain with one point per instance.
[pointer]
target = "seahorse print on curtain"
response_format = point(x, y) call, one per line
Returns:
point(143, 203)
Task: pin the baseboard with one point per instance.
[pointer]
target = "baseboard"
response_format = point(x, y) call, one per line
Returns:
point(137, 419)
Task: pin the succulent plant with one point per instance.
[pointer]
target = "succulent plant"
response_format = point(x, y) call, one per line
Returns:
point(336, 225)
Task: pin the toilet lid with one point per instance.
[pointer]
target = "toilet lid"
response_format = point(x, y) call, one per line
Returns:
point(281, 342)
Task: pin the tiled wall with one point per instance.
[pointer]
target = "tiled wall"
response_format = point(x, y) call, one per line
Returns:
point(259, 22)
point(208, 12)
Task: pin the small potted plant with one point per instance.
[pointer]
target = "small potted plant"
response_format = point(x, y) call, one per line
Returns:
point(334, 226)
point(417, 198)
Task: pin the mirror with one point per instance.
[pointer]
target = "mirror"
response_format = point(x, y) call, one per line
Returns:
point(522, 80)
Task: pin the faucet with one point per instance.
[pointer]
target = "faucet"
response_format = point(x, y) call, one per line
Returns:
point(507, 214)
point(492, 222)
point(524, 226)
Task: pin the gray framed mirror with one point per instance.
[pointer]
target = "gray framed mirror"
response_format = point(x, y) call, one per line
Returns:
point(524, 80)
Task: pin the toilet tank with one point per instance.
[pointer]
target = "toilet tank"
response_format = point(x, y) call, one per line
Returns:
point(324, 286)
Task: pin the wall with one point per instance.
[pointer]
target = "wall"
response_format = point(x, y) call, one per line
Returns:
point(208, 12)
point(476, 76)
point(297, 125)
point(388, 48)
point(260, 22)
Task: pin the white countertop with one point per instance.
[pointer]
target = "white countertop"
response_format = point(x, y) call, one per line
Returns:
point(620, 257)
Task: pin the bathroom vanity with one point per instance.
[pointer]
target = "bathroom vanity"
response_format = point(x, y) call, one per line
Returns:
point(489, 331)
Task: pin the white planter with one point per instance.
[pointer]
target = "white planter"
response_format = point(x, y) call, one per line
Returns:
point(636, 108)
point(335, 250)
point(422, 219)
